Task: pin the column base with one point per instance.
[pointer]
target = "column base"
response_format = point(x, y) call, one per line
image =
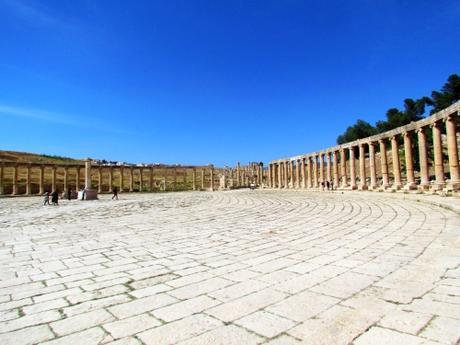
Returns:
point(436, 187)
point(410, 186)
point(365, 187)
point(423, 187)
point(398, 186)
point(453, 186)
point(87, 194)
point(352, 187)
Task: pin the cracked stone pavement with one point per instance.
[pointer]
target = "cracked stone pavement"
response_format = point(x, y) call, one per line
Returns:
point(234, 267)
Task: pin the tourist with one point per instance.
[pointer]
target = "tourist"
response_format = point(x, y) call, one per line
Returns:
point(47, 198)
point(332, 185)
point(54, 198)
point(328, 185)
point(69, 194)
point(115, 193)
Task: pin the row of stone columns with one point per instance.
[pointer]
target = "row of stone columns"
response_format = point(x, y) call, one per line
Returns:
point(76, 171)
point(309, 171)
point(251, 173)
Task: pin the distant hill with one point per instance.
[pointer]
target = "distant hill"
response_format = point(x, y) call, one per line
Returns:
point(26, 157)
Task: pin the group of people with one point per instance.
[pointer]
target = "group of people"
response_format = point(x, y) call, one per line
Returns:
point(54, 198)
point(328, 185)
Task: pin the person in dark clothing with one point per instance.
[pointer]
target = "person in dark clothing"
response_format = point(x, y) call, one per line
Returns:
point(115, 193)
point(55, 198)
point(69, 193)
point(327, 185)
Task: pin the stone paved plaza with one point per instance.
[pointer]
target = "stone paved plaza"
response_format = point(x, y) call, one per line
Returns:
point(239, 267)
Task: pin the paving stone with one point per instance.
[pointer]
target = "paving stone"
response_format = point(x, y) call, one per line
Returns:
point(27, 336)
point(92, 336)
point(225, 335)
point(142, 305)
point(443, 329)
point(404, 321)
point(172, 333)
point(181, 309)
point(383, 336)
point(77, 323)
point(266, 324)
point(131, 326)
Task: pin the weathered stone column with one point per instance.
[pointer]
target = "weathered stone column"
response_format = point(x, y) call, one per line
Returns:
point(286, 176)
point(309, 173)
point(15, 179)
point(372, 165)
point(321, 168)
point(238, 173)
point(77, 179)
point(141, 179)
point(343, 168)
point(174, 179)
point(315, 171)
point(452, 152)
point(194, 179)
point(261, 173)
point(280, 175)
point(131, 179)
point(423, 157)
point(302, 166)
point(53, 178)
point(99, 179)
point(329, 167)
point(351, 151)
point(28, 182)
point(438, 159)
point(410, 184)
point(151, 179)
point(202, 178)
point(362, 168)
point(335, 169)
point(66, 177)
point(397, 184)
point(121, 179)
point(41, 183)
point(211, 177)
point(88, 174)
point(110, 178)
point(1, 178)
point(384, 164)
point(291, 174)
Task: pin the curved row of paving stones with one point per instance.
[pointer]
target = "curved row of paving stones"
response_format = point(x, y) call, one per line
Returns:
point(240, 267)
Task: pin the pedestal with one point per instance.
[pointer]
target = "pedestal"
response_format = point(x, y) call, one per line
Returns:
point(87, 194)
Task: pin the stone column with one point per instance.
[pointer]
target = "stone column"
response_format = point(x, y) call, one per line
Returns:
point(131, 179)
point(151, 180)
point(335, 168)
point(372, 165)
point(291, 174)
point(397, 184)
point(438, 159)
point(88, 174)
point(261, 174)
point(384, 164)
point(423, 157)
point(280, 175)
point(309, 173)
point(211, 177)
point(302, 166)
point(77, 179)
point(286, 176)
point(452, 152)
point(141, 179)
point(110, 179)
point(15, 179)
point(238, 173)
point(41, 183)
point(28, 182)
point(99, 179)
point(194, 179)
point(343, 168)
point(329, 167)
point(53, 178)
point(202, 178)
point(321, 168)
point(315, 171)
point(121, 179)
point(410, 184)
point(1, 178)
point(351, 151)
point(362, 168)
point(66, 177)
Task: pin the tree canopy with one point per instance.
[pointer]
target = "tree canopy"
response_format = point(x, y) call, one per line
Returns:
point(413, 110)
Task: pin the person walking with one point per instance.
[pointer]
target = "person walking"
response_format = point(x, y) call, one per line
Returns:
point(69, 194)
point(46, 200)
point(115, 193)
point(54, 198)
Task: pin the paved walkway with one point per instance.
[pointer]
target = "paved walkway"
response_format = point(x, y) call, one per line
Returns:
point(240, 267)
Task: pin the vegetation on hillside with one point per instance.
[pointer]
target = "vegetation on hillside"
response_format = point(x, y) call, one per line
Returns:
point(413, 110)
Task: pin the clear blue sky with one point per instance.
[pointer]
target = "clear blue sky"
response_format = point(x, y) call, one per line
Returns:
point(198, 82)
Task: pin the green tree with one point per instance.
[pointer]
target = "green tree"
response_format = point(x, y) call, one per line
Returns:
point(361, 129)
point(450, 93)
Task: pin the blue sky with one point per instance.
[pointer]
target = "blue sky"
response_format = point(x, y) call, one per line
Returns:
point(198, 82)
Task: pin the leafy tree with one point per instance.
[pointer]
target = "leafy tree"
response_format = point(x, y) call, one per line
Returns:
point(450, 93)
point(361, 129)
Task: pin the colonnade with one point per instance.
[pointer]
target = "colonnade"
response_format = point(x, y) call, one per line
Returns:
point(385, 161)
point(28, 178)
point(254, 172)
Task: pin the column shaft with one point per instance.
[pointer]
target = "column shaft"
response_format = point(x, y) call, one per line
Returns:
point(372, 168)
point(121, 179)
point(28, 182)
point(409, 161)
point(194, 179)
point(66, 176)
point(131, 179)
point(423, 157)
point(321, 168)
point(362, 168)
point(15, 180)
point(99, 179)
point(343, 168)
point(384, 164)
point(352, 168)
point(53, 179)
point(297, 174)
point(202, 179)
point(41, 183)
point(329, 167)
point(110, 179)
point(452, 151)
point(315, 172)
point(335, 169)
point(302, 166)
point(438, 159)
point(397, 184)
point(211, 182)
